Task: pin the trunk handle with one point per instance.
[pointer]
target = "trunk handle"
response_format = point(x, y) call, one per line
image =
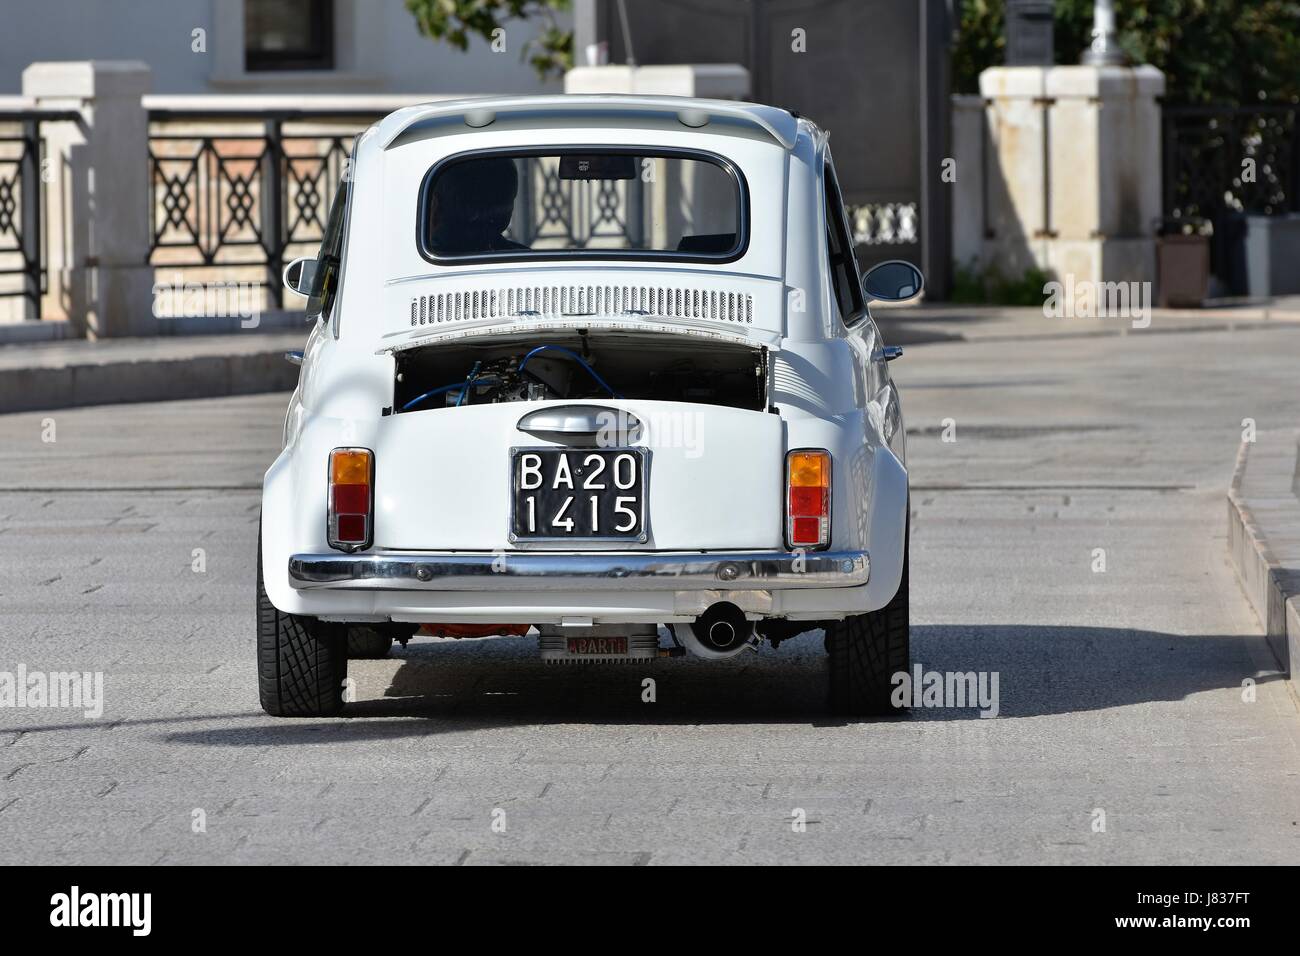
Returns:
point(581, 420)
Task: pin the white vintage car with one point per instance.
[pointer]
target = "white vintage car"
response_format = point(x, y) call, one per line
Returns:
point(595, 367)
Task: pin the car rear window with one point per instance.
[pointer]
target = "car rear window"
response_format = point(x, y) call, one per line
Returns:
point(583, 203)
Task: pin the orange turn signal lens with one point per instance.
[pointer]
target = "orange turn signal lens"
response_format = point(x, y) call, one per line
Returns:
point(810, 469)
point(350, 466)
point(351, 499)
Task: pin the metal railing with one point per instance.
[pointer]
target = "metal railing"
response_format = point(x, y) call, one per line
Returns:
point(245, 189)
point(23, 204)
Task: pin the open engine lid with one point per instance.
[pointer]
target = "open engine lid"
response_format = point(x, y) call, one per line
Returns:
point(720, 306)
point(604, 326)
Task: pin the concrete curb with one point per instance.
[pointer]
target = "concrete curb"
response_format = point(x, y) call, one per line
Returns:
point(108, 380)
point(48, 330)
point(1264, 540)
point(59, 330)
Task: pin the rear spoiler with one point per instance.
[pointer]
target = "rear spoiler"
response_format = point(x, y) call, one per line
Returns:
point(573, 110)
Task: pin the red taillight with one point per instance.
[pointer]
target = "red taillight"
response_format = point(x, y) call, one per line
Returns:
point(351, 498)
point(808, 499)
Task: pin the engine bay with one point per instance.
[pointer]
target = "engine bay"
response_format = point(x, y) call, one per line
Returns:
point(576, 364)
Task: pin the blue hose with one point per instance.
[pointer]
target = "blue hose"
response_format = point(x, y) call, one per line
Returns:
point(577, 358)
point(447, 388)
point(473, 378)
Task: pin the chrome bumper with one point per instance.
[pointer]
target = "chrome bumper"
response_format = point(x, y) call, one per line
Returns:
point(581, 571)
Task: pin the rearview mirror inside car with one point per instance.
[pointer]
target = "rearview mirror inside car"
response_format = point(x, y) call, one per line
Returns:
point(598, 166)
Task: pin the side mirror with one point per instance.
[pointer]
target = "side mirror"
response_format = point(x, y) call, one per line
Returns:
point(299, 275)
point(893, 281)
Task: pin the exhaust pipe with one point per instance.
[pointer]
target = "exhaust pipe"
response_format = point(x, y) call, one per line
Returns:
point(721, 631)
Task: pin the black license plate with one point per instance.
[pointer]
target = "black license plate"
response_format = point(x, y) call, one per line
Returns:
point(578, 493)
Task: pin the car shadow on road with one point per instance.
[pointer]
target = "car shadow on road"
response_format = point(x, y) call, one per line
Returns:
point(449, 687)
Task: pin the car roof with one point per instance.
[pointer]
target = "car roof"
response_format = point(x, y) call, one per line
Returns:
point(557, 111)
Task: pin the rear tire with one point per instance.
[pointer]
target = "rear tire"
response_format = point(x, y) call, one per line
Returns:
point(301, 662)
point(367, 643)
point(865, 652)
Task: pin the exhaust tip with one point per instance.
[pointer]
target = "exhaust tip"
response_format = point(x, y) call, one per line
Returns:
point(721, 630)
point(722, 635)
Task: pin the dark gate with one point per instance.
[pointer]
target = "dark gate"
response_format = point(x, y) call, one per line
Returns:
point(1223, 163)
point(874, 73)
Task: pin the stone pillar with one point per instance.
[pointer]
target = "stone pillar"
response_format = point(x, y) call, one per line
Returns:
point(99, 220)
point(1106, 195)
point(1015, 188)
point(1073, 177)
point(718, 81)
point(968, 143)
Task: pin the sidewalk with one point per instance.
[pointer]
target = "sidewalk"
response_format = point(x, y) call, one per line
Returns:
point(68, 373)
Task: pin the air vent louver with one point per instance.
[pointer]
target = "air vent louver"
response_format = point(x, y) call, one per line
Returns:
point(567, 301)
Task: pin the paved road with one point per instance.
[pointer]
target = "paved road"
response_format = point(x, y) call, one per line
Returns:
point(1120, 691)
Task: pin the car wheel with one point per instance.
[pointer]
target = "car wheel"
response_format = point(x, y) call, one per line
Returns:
point(301, 662)
point(866, 650)
point(367, 643)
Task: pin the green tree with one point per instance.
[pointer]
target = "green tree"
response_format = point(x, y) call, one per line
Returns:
point(1211, 51)
point(455, 21)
